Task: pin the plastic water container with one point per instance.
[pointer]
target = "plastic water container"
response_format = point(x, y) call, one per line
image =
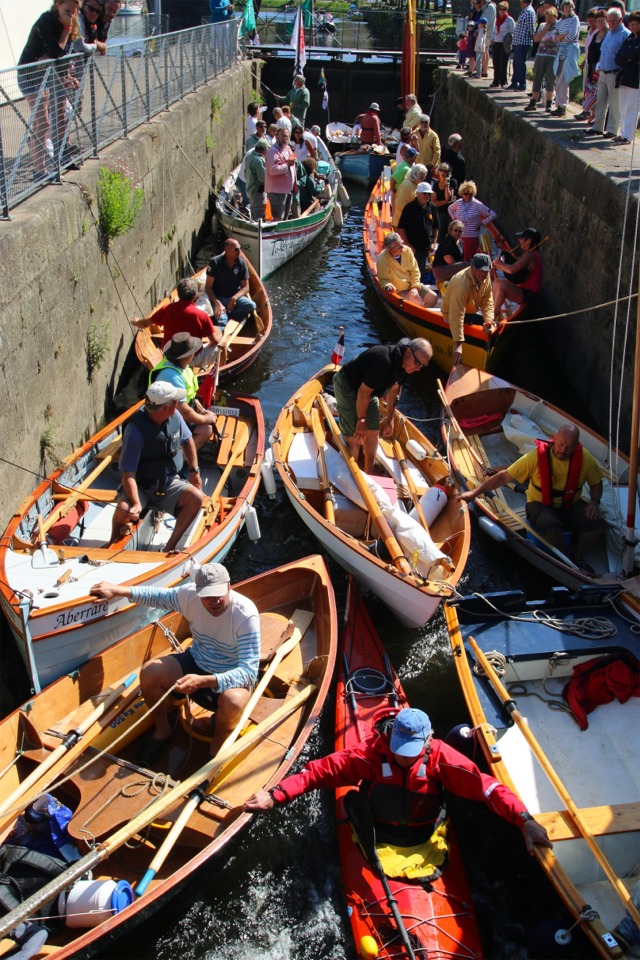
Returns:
point(416, 450)
point(90, 902)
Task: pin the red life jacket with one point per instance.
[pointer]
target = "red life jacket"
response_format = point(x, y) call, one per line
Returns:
point(546, 476)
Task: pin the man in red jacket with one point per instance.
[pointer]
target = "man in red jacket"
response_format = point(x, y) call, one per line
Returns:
point(403, 771)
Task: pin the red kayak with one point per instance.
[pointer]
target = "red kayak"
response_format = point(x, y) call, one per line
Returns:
point(440, 922)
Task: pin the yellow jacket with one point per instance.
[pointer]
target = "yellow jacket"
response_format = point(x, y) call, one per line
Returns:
point(429, 152)
point(403, 275)
point(412, 118)
point(461, 290)
point(404, 194)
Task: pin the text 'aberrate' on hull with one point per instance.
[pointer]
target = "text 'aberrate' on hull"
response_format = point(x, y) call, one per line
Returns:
point(298, 650)
point(412, 584)
point(480, 349)
point(528, 671)
point(439, 916)
point(68, 519)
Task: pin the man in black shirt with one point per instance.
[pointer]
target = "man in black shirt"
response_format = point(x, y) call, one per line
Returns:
point(359, 384)
point(227, 285)
point(418, 225)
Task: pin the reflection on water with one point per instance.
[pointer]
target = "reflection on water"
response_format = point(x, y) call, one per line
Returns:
point(276, 892)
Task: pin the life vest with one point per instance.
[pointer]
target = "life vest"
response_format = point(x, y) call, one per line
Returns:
point(187, 374)
point(546, 475)
point(22, 873)
point(161, 457)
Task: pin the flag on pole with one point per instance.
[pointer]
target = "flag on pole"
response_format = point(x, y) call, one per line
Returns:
point(297, 42)
point(338, 350)
point(322, 83)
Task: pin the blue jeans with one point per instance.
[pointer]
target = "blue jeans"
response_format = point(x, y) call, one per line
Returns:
point(519, 76)
point(243, 308)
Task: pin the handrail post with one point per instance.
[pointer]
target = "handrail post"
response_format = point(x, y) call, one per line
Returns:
point(4, 195)
point(123, 83)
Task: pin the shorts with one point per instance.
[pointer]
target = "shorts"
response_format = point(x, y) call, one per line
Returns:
point(529, 296)
point(346, 397)
point(168, 503)
point(207, 698)
point(575, 519)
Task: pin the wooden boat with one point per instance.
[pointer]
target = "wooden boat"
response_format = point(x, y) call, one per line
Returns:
point(268, 244)
point(440, 918)
point(56, 539)
point(592, 815)
point(241, 343)
point(481, 413)
point(362, 165)
point(481, 349)
point(346, 519)
point(299, 639)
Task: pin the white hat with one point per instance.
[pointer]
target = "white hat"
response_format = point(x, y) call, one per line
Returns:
point(162, 392)
point(374, 106)
point(424, 187)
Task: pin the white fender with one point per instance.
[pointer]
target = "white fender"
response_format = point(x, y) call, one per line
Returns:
point(338, 219)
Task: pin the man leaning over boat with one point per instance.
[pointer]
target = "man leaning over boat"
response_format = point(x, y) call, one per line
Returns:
point(403, 772)
point(471, 284)
point(220, 668)
point(155, 445)
point(556, 471)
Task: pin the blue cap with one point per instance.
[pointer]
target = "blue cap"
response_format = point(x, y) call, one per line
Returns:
point(409, 733)
point(483, 20)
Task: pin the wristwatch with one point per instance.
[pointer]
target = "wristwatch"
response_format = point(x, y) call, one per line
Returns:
point(194, 469)
point(362, 420)
point(525, 815)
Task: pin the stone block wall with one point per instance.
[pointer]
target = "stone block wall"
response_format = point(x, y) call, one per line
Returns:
point(59, 290)
point(533, 176)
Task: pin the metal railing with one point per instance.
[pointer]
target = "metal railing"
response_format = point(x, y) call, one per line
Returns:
point(54, 114)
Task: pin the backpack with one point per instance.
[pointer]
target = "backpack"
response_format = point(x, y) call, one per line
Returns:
point(22, 873)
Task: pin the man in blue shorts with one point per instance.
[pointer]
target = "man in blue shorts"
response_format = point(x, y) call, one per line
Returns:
point(220, 668)
point(227, 285)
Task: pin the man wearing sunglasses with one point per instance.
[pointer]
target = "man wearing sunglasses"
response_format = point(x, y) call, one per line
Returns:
point(378, 372)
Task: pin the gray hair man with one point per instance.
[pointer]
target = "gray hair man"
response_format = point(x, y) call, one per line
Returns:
point(398, 272)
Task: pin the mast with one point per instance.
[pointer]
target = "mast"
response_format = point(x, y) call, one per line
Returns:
point(630, 531)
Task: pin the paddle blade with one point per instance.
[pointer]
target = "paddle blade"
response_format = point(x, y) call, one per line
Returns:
point(359, 814)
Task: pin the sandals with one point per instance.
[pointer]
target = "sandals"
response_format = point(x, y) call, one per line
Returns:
point(621, 141)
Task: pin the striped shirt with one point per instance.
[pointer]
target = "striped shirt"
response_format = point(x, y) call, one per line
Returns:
point(227, 646)
point(525, 28)
point(472, 215)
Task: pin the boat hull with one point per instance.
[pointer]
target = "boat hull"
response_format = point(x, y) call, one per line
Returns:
point(601, 780)
point(361, 166)
point(303, 587)
point(440, 918)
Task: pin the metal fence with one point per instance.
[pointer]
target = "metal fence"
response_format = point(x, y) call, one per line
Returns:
point(54, 114)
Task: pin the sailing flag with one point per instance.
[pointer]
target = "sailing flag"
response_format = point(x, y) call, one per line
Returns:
point(338, 350)
point(297, 42)
point(322, 83)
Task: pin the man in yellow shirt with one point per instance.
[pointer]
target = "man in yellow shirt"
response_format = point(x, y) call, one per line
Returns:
point(414, 111)
point(429, 151)
point(556, 471)
point(398, 272)
point(473, 284)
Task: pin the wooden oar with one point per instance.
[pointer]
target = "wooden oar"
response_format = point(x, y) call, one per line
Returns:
point(43, 556)
point(318, 433)
point(213, 507)
point(69, 741)
point(154, 811)
point(78, 493)
point(532, 530)
point(359, 813)
point(456, 426)
point(304, 618)
point(370, 501)
point(404, 466)
point(557, 784)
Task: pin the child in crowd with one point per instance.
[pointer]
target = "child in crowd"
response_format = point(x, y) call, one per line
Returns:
point(472, 33)
point(481, 44)
point(462, 50)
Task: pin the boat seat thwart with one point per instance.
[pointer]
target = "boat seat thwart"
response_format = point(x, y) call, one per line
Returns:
point(617, 818)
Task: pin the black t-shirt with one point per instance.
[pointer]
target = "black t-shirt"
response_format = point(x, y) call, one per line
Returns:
point(227, 281)
point(43, 39)
point(450, 247)
point(457, 163)
point(418, 223)
point(378, 367)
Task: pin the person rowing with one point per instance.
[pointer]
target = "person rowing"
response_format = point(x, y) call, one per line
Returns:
point(404, 771)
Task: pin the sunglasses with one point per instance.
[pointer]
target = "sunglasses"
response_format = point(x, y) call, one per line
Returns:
point(457, 230)
point(419, 363)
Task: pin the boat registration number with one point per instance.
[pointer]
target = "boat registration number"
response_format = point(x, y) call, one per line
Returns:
point(225, 411)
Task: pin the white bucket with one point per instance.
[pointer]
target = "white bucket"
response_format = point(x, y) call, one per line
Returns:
point(91, 902)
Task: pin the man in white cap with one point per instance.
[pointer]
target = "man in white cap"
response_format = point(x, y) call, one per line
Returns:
point(175, 368)
point(418, 225)
point(473, 283)
point(220, 668)
point(402, 771)
point(370, 126)
point(155, 445)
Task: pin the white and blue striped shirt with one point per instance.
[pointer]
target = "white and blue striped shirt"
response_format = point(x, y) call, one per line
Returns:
point(227, 646)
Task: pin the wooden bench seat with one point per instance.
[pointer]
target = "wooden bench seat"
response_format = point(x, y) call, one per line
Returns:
point(618, 818)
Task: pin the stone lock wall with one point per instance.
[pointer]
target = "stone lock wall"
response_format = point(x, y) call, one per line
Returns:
point(63, 299)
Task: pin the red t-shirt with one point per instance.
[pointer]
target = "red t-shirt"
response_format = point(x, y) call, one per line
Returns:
point(181, 317)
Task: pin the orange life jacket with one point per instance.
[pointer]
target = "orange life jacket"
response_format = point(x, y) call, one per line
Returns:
point(546, 475)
